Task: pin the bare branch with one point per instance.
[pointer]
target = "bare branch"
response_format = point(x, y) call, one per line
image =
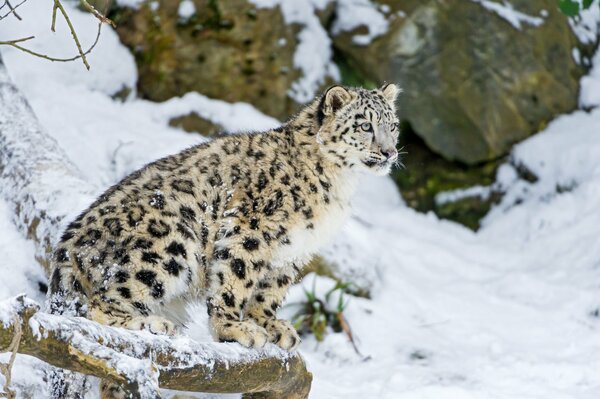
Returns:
point(47, 57)
point(59, 7)
point(12, 10)
point(101, 17)
point(54, 9)
point(58, 4)
point(11, 42)
point(17, 16)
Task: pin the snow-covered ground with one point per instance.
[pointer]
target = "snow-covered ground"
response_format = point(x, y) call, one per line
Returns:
point(508, 312)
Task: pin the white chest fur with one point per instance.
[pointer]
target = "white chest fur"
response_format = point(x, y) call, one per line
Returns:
point(306, 242)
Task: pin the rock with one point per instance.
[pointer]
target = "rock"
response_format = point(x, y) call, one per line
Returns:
point(194, 123)
point(474, 84)
point(426, 175)
point(228, 50)
point(122, 94)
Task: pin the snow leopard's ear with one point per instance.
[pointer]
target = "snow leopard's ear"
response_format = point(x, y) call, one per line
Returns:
point(390, 92)
point(334, 99)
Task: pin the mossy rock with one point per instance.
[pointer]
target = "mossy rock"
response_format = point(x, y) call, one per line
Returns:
point(228, 50)
point(467, 211)
point(427, 174)
point(474, 84)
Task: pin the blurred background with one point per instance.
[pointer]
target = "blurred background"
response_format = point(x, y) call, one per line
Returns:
point(472, 272)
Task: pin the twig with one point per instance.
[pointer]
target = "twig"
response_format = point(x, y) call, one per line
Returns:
point(12, 9)
point(89, 50)
point(102, 17)
point(6, 368)
point(59, 7)
point(11, 42)
point(346, 328)
point(40, 55)
point(54, 9)
point(58, 4)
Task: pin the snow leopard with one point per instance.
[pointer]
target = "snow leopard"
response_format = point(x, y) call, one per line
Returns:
point(231, 222)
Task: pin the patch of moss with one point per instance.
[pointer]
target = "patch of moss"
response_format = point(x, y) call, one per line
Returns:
point(156, 55)
point(426, 174)
point(467, 211)
point(212, 19)
point(118, 14)
point(209, 17)
point(350, 75)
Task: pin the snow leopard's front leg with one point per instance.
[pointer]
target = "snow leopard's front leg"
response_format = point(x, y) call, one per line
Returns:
point(236, 268)
point(265, 302)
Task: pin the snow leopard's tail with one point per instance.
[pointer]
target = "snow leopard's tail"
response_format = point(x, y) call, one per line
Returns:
point(65, 299)
point(65, 295)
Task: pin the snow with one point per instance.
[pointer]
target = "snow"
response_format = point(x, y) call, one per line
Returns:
point(19, 273)
point(587, 25)
point(313, 55)
point(186, 9)
point(48, 186)
point(507, 11)
point(590, 85)
point(457, 195)
point(509, 311)
point(351, 14)
point(576, 55)
point(130, 3)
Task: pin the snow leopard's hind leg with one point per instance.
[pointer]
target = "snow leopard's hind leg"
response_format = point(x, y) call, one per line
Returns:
point(122, 314)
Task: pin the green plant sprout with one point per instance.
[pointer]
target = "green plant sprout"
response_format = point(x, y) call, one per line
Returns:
point(315, 314)
point(572, 8)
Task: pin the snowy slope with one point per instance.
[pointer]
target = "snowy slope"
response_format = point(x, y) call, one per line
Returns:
point(508, 312)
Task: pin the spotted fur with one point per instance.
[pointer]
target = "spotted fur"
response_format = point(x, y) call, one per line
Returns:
point(231, 221)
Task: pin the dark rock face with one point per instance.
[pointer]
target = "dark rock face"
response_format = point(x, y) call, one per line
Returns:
point(426, 175)
point(228, 50)
point(474, 83)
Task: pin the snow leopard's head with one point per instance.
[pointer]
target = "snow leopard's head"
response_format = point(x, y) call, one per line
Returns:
point(359, 128)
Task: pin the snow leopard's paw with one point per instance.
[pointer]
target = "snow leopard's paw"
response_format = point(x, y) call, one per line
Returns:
point(246, 333)
point(283, 334)
point(155, 324)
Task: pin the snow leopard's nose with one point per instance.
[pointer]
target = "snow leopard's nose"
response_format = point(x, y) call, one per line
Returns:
point(390, 153)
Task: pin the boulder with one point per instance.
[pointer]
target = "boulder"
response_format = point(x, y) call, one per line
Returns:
point(228, 50)
point(194, 123)
point(477, 77)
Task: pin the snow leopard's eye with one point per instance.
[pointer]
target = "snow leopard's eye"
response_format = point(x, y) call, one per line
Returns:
point(367, 127)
